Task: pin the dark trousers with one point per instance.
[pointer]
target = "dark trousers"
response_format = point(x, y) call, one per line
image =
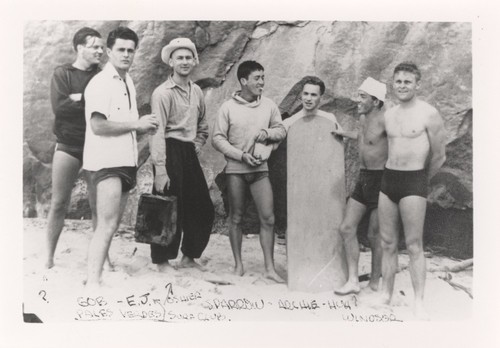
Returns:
point(195, 210)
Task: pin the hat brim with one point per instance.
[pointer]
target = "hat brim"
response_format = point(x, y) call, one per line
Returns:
point(167, 51)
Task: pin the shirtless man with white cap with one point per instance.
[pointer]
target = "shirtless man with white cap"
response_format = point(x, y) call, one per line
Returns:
point(372, 142)
point(416, 139)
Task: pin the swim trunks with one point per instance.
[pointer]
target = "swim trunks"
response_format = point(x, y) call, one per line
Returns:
point(398, 184)
point(126, 174)
point(251, 178)
point(367, 188)
point(75, 151)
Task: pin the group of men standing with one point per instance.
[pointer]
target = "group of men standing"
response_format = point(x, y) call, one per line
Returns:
point(400, 149)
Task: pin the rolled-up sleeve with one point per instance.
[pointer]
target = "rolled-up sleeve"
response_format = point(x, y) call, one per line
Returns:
point(276, 131)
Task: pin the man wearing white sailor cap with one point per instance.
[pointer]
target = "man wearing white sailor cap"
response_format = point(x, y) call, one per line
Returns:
point(372, 143)
point(183, 130)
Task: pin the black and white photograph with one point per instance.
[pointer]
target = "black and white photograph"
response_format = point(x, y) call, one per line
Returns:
point(294, 174)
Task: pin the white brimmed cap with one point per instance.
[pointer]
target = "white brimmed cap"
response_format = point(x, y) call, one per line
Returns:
point(175, 44)
point(374, 88)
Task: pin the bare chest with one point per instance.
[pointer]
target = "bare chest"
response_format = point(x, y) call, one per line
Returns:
point(405, 125)
point(372, 134)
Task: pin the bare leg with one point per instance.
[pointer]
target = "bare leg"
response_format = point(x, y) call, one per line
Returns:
point(353, 215)
point(110, 203)
point(65, 170)
point(91, 189)
point(412, 210)
point(236, 192)
point(376, 248)
point(263, 196)
point(388, 216)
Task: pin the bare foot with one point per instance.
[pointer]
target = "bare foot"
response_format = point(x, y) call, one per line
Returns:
point(374, 300)
point(385, 299)
point(92, 288)
point(420, 312)
point(399, 300)
point(272, 275)
point(49, 264)
point(347, 289)
point(373, 284)
point(108, 266)
point(187, 262)
point(238, 270)
point(165, 267)
point(367, 290)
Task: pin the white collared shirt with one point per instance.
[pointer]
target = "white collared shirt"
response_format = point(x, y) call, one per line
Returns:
point(107, 94)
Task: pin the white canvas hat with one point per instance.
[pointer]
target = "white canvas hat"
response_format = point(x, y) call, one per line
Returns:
point(374, 88)
point(175, 44)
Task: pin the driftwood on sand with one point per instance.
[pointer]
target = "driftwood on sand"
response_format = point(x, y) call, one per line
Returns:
point(458, 267)
point(447, 278)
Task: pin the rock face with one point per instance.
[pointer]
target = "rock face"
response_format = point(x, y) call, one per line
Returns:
point(343, 54)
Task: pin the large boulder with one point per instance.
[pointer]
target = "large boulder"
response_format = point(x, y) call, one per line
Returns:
point(48, 44)
point(341, 53)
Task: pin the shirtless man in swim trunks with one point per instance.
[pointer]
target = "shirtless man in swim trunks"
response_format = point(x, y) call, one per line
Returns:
point(416, 136)
point(372, 142)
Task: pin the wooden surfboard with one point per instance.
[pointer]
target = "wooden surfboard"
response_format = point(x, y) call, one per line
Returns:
point(316, 201)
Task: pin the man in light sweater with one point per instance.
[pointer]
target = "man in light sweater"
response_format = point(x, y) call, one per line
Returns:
point(183, 130)
point(243, 121)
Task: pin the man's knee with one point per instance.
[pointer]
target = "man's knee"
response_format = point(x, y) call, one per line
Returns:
point(108, 222)
point(414, 247)
point(389, 245)
point(235, 217)
point(347, 231)
point(59, 204)
point(108, 226)
point(267, 219)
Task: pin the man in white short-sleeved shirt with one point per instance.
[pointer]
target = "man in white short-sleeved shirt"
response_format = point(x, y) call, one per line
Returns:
point(110, 150)
point(121, 149)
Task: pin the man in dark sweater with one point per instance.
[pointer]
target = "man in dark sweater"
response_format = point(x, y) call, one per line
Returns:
point(66, 95)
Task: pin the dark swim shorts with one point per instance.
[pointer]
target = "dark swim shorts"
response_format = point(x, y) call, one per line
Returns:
point(368, 187)
point(398, 184)
point(251, 178)
point(72, 150)
point(126, 174)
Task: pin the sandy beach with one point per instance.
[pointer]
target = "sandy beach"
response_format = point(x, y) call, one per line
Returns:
point(135, 290)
